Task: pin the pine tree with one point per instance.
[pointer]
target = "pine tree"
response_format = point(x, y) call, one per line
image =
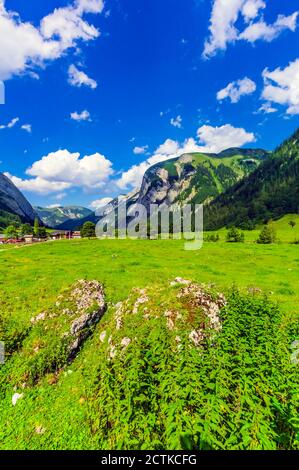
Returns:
point(36, 226)
point(267, 235)
point(235, 236)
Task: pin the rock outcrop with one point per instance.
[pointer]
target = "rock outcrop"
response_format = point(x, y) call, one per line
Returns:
point(57, 334)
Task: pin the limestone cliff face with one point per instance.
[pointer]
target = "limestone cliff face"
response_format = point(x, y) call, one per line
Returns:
point(197, 178)
point(13, 201)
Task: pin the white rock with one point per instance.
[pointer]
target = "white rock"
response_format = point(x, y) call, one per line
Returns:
point(125, 342)
point(103, 336)
point(180, 280)
point(16, 397)
point(196, 337)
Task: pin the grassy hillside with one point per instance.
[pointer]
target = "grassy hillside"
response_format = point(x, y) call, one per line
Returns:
point(270, 192)
point(198, 177)
point(235, 390)
point(7, 219)
point(285, 233)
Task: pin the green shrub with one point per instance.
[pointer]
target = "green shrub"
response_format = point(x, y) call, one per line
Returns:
point(267, 235)
point(88, 230)
point(213, 238)
point(235, 236)
point(237, 392)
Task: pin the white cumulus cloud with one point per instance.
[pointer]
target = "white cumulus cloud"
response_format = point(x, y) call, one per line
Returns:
point(177, 122)
point(140, 150)
point(235, 90)
point(25, 46)
point(11, 124)
point(79, 78)
point(216, 139)
point(99, 203)
point(209, 139)
point(225, 24)
point(267, 108)
point(83, 116)
point(27, 128)
point(262, 30)
point(62, 169)
point(38, 185)
point(282, 86)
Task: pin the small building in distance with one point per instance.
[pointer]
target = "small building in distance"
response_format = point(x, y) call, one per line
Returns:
point(60, 235)
point(28, 238)
point(76, 234)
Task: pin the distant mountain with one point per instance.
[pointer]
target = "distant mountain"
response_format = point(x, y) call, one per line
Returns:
point(77, 224)
point(13, 205)
point(270, 192)
point(194, 178)
point(56, 216)
point(197, 177)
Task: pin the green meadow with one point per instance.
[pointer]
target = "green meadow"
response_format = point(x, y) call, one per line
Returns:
point(31, 276)
point(58, 413)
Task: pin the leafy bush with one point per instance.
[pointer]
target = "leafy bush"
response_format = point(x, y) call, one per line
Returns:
point(267, 235)
point(140, 381)
point(11, 232)
point(26, 229)
point(237, 392)
point(213, 238)
point(235, 236)
point(88, 230)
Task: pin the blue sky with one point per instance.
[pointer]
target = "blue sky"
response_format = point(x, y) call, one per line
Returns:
point(102, 90)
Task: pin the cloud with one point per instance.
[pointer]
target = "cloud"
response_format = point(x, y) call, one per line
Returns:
point(282, 86)
point(226, 14)
point(38, 185)
point(99, 203)
point(62, 170)
point(261, 30)
point(53, 206)
point(176, 122)
point(83, 116)
point(25, 46)
point(11, 124)
point(140, 150)
point(27, 128)
point(251, 9)
point(79, 78)
point(235, 90)
point(133, 177)
point(14, 122)
point(60, 196)
point(164, 113)
point(209, 139)
point(267, 108)
point(216, 139)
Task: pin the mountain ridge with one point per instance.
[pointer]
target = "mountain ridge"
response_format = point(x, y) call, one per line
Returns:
point(55, 216)
point(269, 192)
point(13, 202)
point(191, 177)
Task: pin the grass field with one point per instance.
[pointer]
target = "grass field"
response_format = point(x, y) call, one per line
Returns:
point(31, 278)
